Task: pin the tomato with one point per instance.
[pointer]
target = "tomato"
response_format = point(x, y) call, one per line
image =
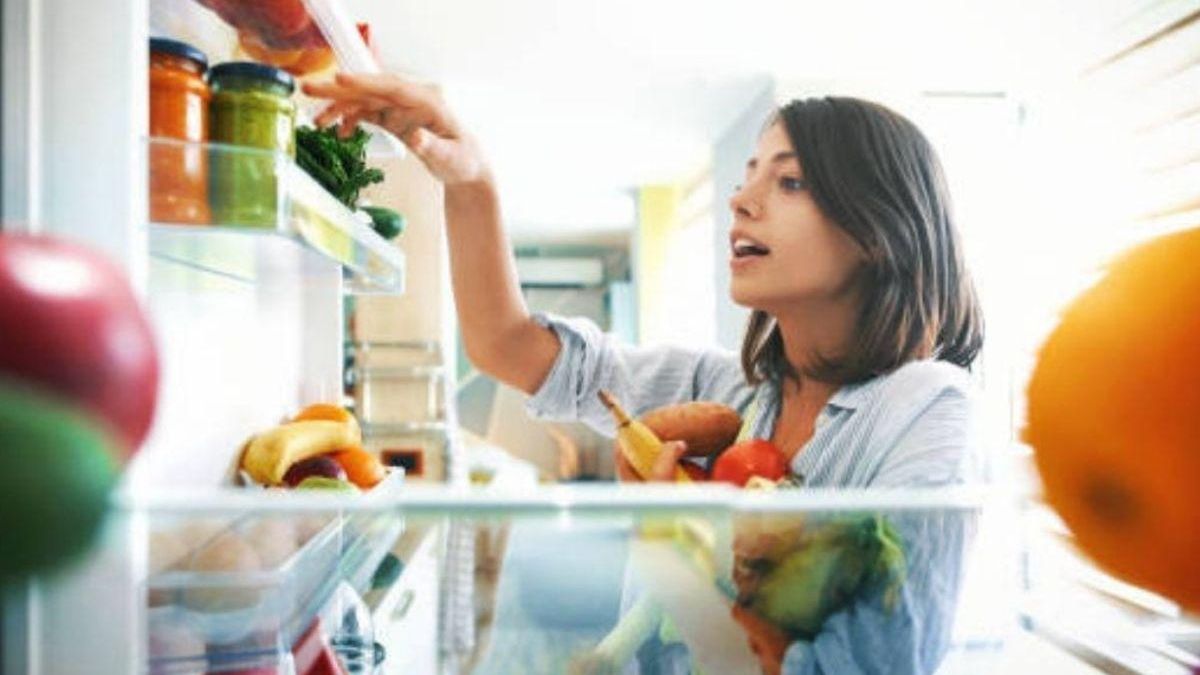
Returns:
point(362, 468)
point(742, 461)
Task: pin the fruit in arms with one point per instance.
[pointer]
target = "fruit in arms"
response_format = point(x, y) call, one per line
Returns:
point(834, 563)
point(706, 427)
point(748, 459)
point(638, 443)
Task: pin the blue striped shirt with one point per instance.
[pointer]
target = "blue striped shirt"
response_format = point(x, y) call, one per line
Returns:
point(911, 427)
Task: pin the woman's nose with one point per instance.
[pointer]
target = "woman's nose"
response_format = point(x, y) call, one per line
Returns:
point(744, 204)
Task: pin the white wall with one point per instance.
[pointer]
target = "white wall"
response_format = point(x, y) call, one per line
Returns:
point(730, 153)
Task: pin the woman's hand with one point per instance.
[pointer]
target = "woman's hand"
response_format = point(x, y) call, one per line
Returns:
point(664, 464)
point(767, 642)
point(413, 112)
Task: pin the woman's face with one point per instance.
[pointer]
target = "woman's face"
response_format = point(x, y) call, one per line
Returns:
point(784, 252)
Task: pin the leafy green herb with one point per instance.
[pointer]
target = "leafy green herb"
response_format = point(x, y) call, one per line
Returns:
point(338, 164)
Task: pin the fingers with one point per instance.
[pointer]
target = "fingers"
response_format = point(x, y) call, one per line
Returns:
point(391, 87)
point(625, 472)
point(335, 111)
point(665, 463)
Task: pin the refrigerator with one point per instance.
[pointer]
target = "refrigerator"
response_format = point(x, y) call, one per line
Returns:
point(488, 572)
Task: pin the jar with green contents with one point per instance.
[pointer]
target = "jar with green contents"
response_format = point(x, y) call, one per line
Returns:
point(251, 107)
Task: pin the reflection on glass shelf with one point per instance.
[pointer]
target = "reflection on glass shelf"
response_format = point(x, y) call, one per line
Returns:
point(594, 578)
point(249, 591)
point(239, 211)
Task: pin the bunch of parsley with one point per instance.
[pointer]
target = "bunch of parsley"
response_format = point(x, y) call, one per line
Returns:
point(338, 164)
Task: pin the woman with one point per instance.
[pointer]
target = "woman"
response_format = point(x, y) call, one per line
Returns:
point(864, 321)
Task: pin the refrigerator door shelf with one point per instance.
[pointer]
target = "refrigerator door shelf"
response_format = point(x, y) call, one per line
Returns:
point(267, 214)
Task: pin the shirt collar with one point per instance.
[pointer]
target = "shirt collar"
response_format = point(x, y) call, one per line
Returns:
point(847, 397)
point(853, 396)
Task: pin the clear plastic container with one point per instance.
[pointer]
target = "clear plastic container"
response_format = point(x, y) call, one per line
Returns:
point(307, 38)
point(399, 394)
point(250, 583)
point(262, 589)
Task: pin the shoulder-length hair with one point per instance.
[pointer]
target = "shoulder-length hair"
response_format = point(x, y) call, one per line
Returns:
point(876, 176)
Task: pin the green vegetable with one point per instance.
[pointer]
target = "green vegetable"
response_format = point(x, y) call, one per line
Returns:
point(388, 223)
point(338, 164)
point(56, 470)
point(835, 563)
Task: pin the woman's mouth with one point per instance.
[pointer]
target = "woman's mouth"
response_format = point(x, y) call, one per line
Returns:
point(745, 251)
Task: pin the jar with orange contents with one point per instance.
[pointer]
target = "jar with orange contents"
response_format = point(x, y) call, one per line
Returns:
point(179, 99)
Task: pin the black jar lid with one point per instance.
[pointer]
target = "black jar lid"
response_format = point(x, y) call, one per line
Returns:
point(254, 71)
point(177, 48)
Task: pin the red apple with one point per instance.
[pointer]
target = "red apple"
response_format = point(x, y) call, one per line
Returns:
point(70, 324)
point(322, 465)
point(694, 471)
point(742, 461)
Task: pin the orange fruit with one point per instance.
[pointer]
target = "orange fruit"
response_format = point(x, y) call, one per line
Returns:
point(362, 468)
point(1114, 418)
point(324, 411)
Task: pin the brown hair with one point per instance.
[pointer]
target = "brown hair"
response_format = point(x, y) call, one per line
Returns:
point(876, 176)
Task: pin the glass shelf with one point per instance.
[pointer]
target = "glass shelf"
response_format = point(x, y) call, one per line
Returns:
point(573, 577)
point(246, 590)
point(240, 212)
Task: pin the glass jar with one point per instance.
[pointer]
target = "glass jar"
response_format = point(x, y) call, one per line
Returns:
point(251, 108)
point(179, 99)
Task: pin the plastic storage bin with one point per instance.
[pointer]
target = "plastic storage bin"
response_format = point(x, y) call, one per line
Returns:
point(402, 394)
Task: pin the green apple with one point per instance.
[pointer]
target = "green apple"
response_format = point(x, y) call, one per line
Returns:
point(57, 467)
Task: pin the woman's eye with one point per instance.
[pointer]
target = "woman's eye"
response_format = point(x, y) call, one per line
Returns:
point(791, 184)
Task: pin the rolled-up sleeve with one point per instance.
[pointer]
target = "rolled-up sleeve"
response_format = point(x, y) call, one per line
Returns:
point(642, 378)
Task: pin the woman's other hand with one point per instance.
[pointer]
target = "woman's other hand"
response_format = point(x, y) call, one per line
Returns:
point(413, 112)
point(664, 464)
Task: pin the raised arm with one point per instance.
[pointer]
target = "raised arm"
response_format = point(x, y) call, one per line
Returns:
point(499, 335)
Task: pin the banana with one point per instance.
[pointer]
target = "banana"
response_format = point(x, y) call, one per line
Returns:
point(268, 455)
point(638, 443)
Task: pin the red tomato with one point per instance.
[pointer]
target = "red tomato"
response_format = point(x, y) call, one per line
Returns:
point(71, 324)
point(742, 461)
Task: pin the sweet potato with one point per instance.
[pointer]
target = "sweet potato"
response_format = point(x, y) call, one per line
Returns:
point(706, 427)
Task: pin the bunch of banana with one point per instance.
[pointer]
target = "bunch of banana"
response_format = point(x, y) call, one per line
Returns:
point(267, 456)
point(640, 446)
point(707, 428)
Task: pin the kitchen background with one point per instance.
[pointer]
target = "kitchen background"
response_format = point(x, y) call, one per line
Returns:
point(617, 130)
